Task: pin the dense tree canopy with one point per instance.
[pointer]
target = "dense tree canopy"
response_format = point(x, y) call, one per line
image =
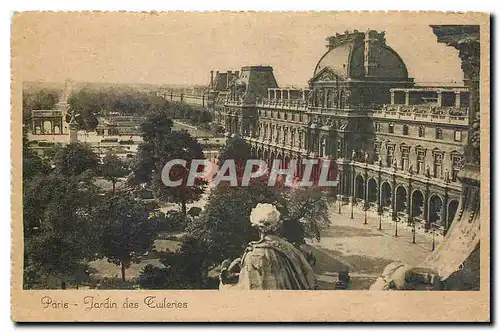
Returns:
point(76, 158)
point(113, 168)
point(128, 232)
point(59, 214)
point(236, 149)
point(160, 146)
point(33, 165)
point(91, 103)
point(59, 223)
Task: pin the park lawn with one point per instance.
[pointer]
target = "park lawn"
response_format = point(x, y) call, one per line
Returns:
point(106, 269)
point(198, 132)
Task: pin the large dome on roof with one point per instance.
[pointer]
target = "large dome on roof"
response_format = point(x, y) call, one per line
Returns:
point(360, 55)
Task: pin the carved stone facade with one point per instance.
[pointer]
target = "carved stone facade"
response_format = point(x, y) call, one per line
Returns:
point(458, 258)
point(398, 147)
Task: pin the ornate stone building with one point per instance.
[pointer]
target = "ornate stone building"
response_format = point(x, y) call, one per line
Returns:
point(398, 146)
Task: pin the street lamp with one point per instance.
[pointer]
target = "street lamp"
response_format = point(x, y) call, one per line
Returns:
point(396, 220)
point(413, 231)
point(380, 219)
point(340, 204)
point(366, 209)
point(352, 207)
point(433, 239)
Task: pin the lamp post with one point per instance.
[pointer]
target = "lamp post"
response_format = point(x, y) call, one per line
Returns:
point(413, 231)
point(366, 209)
point(380, 219)
point(396, 220)
point(365, 188)
point(352, 207)
point(433, 239)
point(340, 204)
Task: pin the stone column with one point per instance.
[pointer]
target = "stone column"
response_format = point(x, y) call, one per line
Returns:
point(440, 99)
point(426, 204)
point(457, 99)
point(393, 198)
point(445, 211)
point(408, 201)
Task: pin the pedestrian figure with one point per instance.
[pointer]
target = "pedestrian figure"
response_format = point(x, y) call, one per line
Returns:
point(344, 281)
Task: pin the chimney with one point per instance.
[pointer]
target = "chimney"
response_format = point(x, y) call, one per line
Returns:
point(229, 74)
point(211, 79)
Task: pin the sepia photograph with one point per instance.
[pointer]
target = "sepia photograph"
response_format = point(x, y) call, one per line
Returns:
point(337, 153)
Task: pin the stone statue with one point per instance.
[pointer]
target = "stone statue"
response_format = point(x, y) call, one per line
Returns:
point(353, 156)
point(321, 101)
point(311, 97)
point(410, 168)
point(395, 164)
point(269, 263)
point(367, 156)
point(428, 171)
point(346, 97)
point(447, 176)
point(379, 160)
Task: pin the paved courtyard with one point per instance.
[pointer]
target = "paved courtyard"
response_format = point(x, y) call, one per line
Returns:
point(363, 250)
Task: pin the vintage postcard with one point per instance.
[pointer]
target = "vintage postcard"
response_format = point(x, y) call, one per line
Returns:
point(251, 167)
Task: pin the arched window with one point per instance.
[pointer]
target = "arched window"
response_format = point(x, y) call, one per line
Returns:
point(391, 128)
point(458, 135)
point(405, 130)
point(421, 131)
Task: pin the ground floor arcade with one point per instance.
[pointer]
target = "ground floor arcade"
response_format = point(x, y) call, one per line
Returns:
point(429, 202)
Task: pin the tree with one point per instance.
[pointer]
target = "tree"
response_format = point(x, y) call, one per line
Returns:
point(179, 145)
point(153, 277)
point(87, 103)
point(309, 207)
point(237, 149)
point(160, 146)
point(76, 158)
point(156, 127)
point(60, 226)
point(113, 168)
point(127, 230)
point(33, 165)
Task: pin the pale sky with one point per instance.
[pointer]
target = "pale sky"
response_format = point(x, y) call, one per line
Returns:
point(179, 48)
